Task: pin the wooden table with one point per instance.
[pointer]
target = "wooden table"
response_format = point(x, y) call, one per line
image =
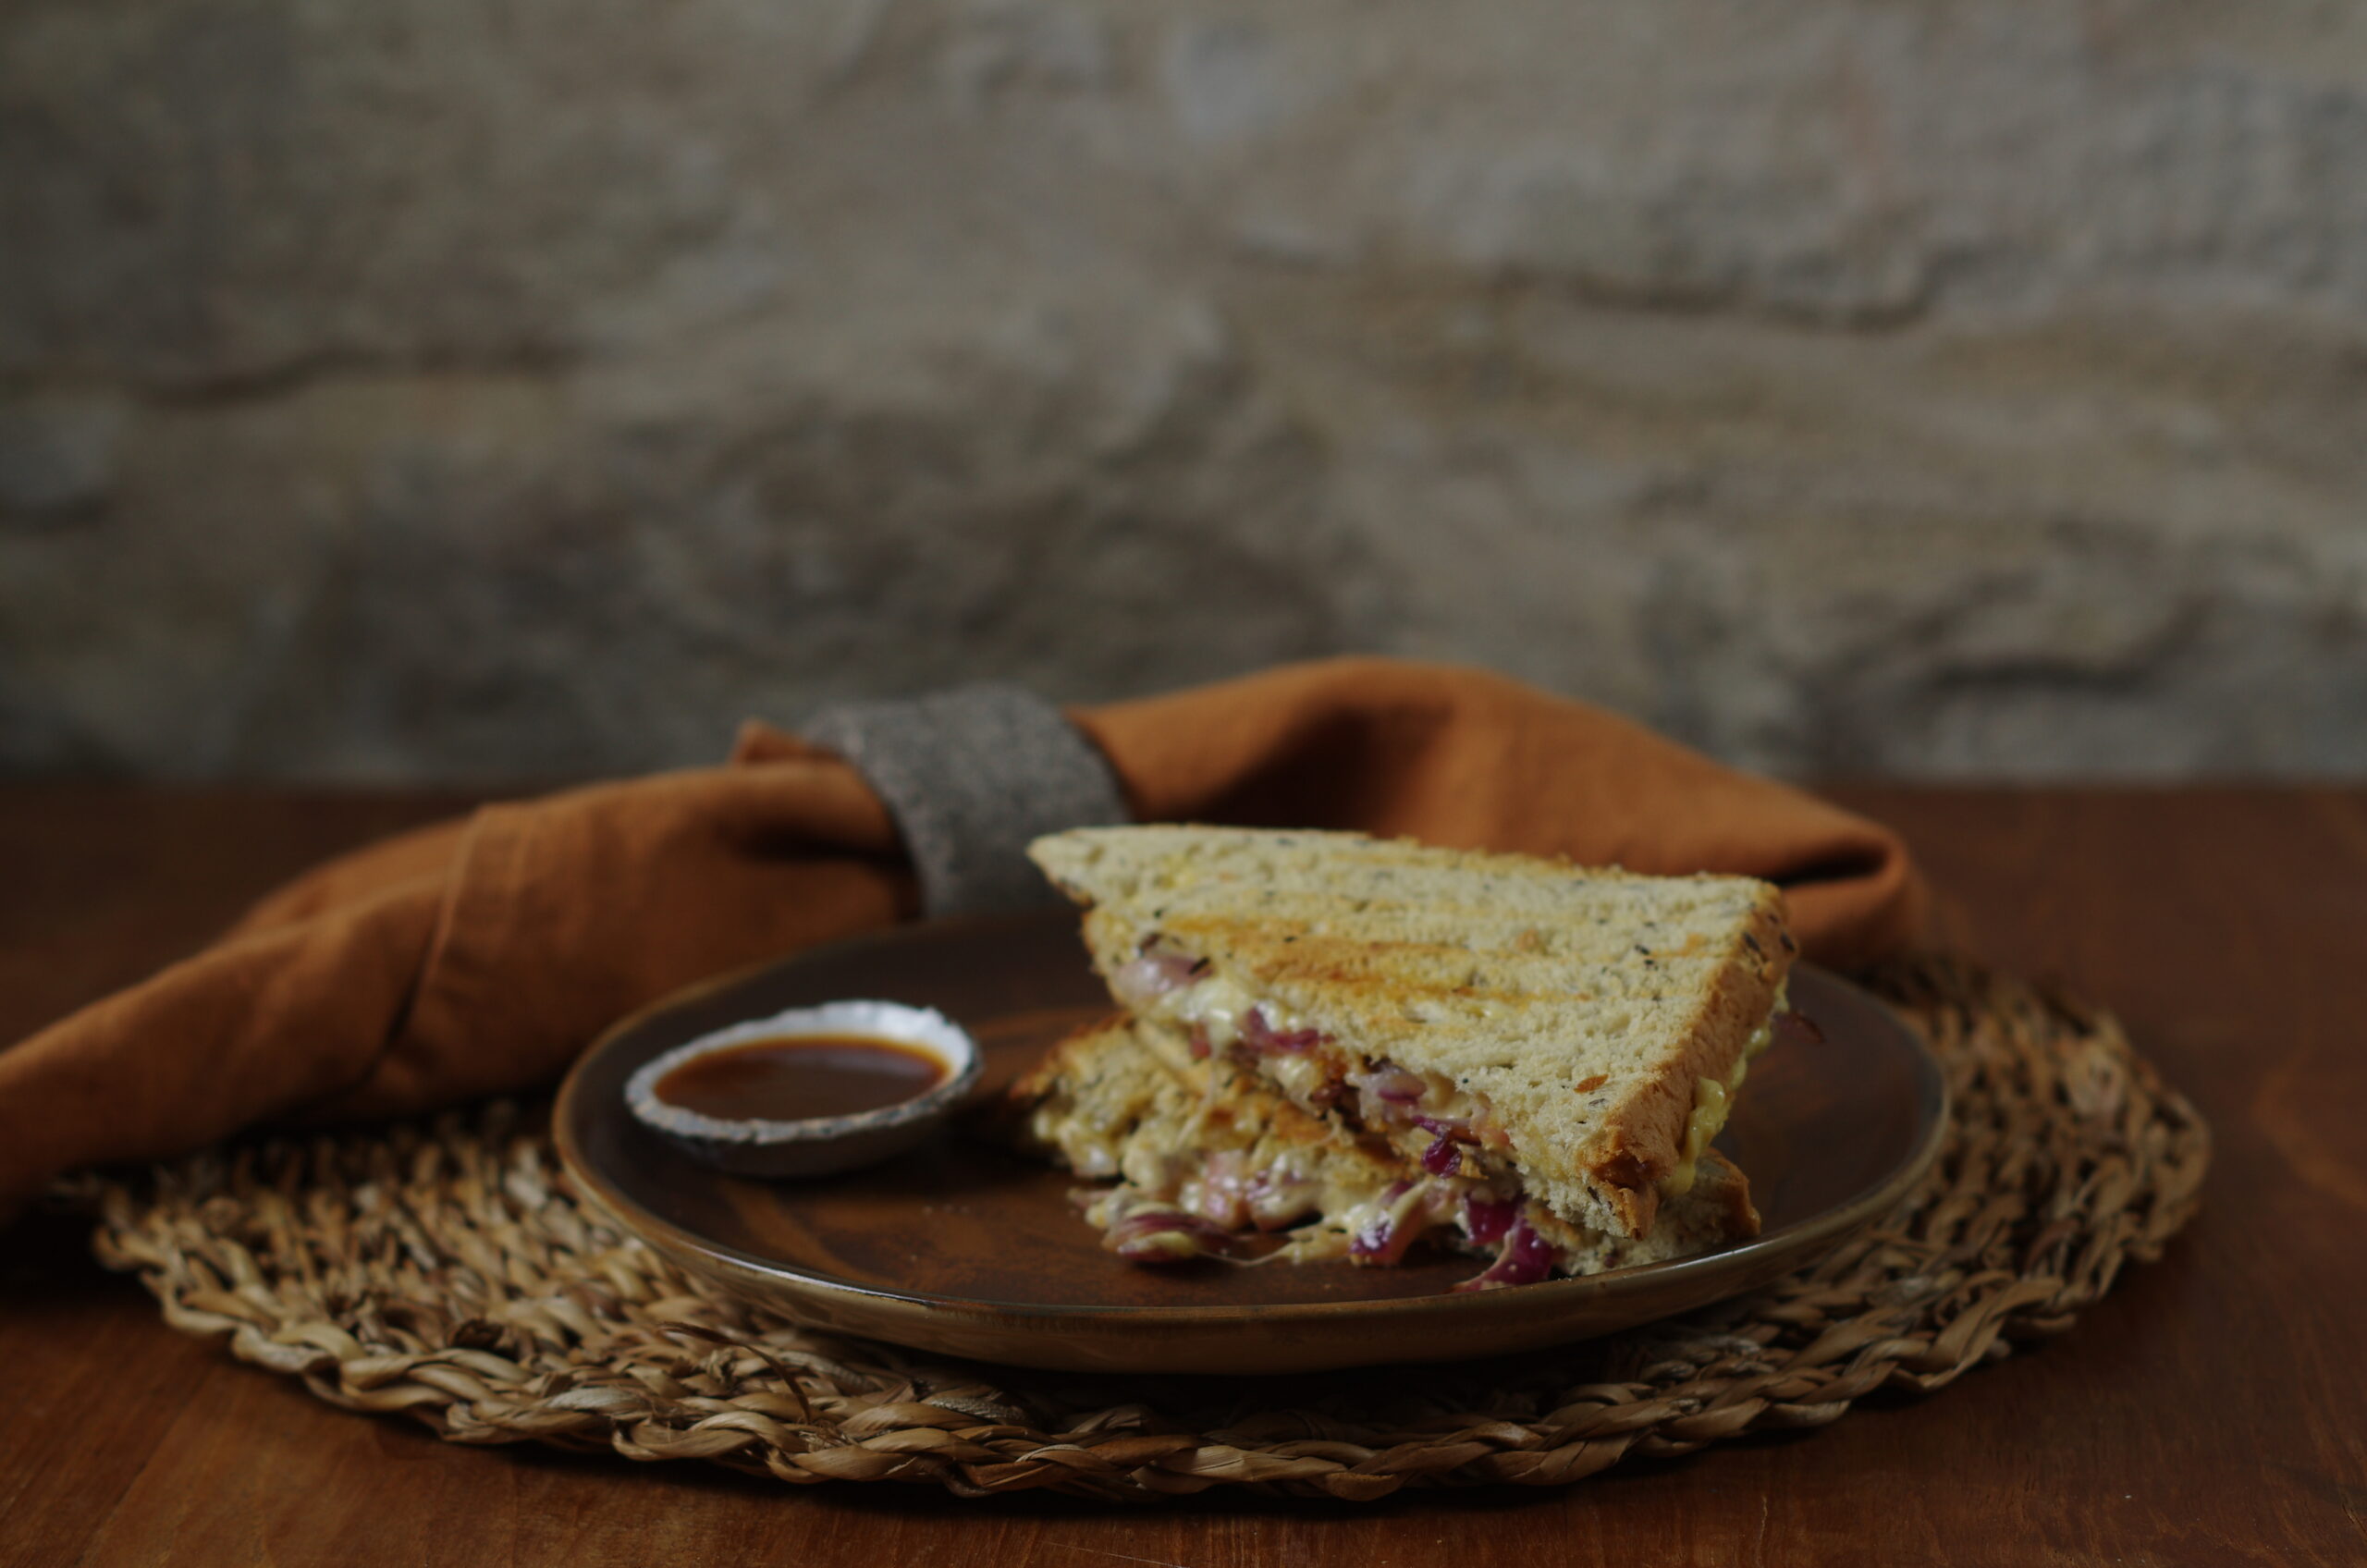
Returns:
point(2213, 1410)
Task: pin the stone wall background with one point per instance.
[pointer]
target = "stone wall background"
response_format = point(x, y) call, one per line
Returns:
point(469, 390)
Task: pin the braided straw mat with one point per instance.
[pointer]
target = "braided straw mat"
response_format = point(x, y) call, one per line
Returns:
point(448, 1273)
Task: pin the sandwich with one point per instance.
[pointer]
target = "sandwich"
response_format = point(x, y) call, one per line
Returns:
point(1489, 1035)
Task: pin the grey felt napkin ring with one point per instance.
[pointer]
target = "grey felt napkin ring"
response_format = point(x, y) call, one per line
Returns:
point(971, 775)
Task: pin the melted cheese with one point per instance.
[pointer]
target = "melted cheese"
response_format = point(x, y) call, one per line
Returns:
point(1300, 1075)
point(1380, 1207)
point(1713, 1101)
point(1217, 1005)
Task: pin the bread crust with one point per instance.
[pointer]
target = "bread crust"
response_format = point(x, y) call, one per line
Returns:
point(1641, 1146)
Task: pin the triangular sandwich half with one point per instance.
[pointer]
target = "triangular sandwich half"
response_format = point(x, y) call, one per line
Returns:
point(1208, 1163)
point(1568, 1036)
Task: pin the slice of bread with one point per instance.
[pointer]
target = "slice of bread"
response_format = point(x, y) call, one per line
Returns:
point(1580, 1031)
point(1210, 1162)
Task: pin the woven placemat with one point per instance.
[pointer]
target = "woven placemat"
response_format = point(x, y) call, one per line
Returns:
point(448, 1273)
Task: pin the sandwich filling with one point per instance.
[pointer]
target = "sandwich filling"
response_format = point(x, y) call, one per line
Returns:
point(1232, 1170)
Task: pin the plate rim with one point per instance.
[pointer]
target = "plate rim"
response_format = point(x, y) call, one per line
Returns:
point(1805, 1238)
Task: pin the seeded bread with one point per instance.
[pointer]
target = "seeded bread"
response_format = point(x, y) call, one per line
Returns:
point(1584, 1008)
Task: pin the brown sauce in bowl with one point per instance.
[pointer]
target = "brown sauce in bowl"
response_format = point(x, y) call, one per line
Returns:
point(798, 1077)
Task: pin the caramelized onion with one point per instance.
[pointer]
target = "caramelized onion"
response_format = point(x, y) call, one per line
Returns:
point(1224, 1184)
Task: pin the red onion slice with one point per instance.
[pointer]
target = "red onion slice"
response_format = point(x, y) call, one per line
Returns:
point(1384, 1239)
point(1525, 1259)
point(1486, 1219)
point(1156, 972)
point(1167, 1236)
point(1258, 1035)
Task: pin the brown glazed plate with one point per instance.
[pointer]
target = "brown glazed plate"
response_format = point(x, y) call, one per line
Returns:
point(965, 1248)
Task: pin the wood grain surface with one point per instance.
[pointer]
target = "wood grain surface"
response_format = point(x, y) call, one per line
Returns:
point(2213, 1410)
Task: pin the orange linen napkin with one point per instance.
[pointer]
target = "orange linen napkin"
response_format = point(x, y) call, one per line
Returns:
point(481, 956)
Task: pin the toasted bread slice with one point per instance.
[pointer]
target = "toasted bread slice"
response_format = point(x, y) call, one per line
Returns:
point(1209, 1162)
point(1577, 1032)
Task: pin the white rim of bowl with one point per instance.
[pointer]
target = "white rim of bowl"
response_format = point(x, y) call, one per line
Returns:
point(922, 1026)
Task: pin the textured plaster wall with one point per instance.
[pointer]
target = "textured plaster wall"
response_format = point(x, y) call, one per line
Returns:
point(433, 389)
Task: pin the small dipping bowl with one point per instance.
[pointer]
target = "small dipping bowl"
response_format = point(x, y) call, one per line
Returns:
point(817, 1146)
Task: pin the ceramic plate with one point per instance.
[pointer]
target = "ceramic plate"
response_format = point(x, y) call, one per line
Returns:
point(965, 1249)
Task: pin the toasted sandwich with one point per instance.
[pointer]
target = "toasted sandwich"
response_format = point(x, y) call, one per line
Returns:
point(1208, 1165)
point(1565, 1040)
